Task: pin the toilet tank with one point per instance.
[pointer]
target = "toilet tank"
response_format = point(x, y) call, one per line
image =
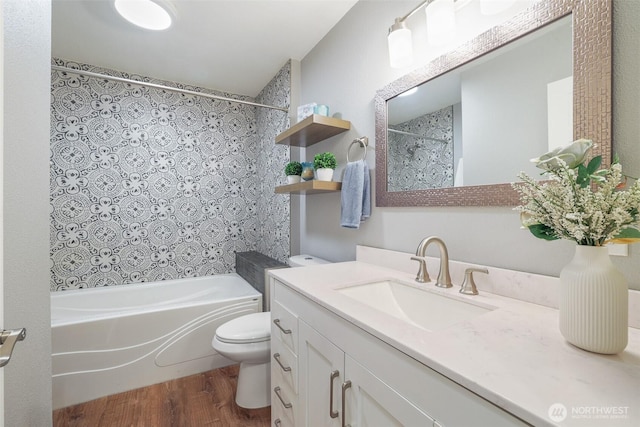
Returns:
point(305, 260)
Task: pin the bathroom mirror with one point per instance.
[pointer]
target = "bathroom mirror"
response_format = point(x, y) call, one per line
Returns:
point(481, 111)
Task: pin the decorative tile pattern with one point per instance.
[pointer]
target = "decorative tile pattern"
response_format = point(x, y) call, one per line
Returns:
point(420, 163)
point(273, 209)
point(148, 184)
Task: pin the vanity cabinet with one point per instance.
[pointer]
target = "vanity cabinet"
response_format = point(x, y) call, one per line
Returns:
point(336, 390)
point(382, 385)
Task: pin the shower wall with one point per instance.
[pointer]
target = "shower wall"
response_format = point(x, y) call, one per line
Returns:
point(149, 185)
point(418, 163)
point(273, 209)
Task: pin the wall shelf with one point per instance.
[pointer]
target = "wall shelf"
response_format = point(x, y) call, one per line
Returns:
point(311, 130)
point(310, 187)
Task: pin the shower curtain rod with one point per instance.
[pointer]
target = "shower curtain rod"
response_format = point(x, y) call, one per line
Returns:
point(157, 86)
point(401, 132)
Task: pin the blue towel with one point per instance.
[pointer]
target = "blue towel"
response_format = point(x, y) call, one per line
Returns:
point(356, 194)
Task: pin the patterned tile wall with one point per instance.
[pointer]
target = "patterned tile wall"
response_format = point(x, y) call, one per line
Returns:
point(418, 163)
point(273, 209)
point(148, 184)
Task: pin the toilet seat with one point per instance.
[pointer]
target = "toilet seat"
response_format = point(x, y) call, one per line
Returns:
point(252, 328)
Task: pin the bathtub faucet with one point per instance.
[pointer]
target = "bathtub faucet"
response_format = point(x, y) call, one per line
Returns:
point(444, 278)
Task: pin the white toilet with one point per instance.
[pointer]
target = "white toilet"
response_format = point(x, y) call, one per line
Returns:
point(247, 340)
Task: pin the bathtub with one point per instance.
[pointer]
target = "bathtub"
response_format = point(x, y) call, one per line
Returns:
point(110, 340)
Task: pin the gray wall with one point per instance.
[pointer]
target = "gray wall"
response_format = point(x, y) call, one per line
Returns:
point(344, 71)
point(150, 185)
point(26, 45)
point(491, 112)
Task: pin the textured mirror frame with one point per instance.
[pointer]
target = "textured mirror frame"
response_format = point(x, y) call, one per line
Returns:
point(591, 94)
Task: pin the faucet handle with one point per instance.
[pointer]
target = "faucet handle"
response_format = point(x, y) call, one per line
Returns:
point(469, 285)
point(423, 274)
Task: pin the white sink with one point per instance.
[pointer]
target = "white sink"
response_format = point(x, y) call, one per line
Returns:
point(427, 310)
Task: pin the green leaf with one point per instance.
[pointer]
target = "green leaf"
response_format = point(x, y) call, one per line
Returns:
point(628, 233)
point(583, 176)
point(594, 164)
point(542, 231)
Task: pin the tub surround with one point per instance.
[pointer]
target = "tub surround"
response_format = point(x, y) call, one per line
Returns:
point(151, 185)
point(513, 356)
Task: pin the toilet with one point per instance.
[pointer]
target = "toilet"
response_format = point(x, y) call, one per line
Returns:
point(247, 340)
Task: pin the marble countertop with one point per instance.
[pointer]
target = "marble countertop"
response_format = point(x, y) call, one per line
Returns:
point(513, 356)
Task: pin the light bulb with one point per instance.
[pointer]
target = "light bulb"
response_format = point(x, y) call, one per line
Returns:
point(441, 22)
point(400, 45)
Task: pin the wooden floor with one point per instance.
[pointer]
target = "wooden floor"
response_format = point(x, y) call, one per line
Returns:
point(201, 400)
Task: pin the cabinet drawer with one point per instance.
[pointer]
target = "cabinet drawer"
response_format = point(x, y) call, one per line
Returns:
point(284, 365)
point(284, 404)
point(284, 326)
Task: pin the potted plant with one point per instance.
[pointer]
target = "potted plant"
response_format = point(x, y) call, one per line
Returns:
point(293, 170)
point(324, 164)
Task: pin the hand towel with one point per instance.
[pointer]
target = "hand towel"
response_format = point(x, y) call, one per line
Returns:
point(356, 194)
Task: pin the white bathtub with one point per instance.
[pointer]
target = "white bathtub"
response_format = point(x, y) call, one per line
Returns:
point(109, 340)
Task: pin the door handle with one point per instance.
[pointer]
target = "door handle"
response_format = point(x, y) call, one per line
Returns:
point(8, 339)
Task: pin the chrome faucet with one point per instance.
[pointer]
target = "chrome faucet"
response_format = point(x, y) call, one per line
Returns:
point(444, 278)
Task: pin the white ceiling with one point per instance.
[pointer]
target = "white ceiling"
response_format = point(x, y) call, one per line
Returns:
point(234, 46)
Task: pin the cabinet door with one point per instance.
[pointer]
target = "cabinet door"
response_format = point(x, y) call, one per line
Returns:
point(320, 374)
point(372, 403)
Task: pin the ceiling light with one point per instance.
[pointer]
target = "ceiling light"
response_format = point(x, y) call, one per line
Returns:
point(441, 21)
point(400, 45)
point(148, 14)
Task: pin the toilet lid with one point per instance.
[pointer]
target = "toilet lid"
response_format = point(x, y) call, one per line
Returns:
point(251, 328)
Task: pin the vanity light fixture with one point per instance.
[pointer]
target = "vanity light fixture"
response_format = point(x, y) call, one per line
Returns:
point(441, 21)
point(440, 29)
point(148, 14)
point(400, 45)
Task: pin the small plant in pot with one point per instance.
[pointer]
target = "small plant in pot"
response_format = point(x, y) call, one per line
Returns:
point(293, 170)
point(324, 164)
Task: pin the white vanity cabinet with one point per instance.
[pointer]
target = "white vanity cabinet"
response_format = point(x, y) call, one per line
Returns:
point(382, 386)
point(335, 390)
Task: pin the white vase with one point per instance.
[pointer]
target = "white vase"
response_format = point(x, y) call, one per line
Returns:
point(293, 179)
point(324, 174)
point(594, 302)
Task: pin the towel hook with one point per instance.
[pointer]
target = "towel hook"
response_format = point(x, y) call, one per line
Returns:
point(363, 142)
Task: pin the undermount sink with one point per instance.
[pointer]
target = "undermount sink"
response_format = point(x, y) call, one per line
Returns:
point(427, 310)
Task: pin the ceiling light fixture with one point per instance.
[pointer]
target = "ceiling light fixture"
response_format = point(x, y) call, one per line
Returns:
point(148, 14)
point(440, 30)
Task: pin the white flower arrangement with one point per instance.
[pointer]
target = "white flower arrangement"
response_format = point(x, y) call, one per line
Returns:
point(579, 202)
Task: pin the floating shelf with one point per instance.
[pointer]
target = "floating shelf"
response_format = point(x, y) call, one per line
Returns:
point(311, 130)
point(310, 187)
